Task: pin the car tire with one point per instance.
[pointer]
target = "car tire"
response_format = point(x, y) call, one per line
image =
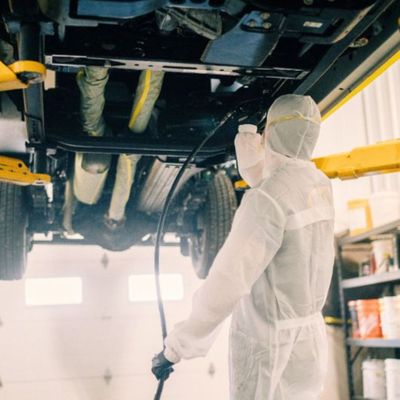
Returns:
point(184, 246)
point(214, 222)
point(13, 231)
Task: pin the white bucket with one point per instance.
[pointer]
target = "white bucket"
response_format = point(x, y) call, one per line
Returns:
point(385, 207)
point(392, 368)
point(390, 316)
point(390, 301)
point(383, 252)
point(374, 381)
point(391, 330)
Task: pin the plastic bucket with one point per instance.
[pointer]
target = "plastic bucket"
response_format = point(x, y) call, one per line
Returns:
point(390, 316)
point(392, 370)
point(390, 301)
point(374, 380)
point(391, 330)
point(368, 312)
point(383, 253)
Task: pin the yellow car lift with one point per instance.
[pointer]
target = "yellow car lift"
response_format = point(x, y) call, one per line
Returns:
point(20, 74)
point(16, 172)
point(380, 158)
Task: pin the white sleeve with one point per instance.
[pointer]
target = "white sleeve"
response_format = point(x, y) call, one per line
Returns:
point(255, 237)
point(249, 146)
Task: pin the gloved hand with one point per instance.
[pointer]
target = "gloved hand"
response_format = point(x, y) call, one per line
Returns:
point(161, 367)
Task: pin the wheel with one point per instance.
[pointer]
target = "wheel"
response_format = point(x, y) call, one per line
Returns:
point(184, 246)
point(13, 231)
point(214, 222)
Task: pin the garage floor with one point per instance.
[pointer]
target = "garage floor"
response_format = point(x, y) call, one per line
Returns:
point(101, 348)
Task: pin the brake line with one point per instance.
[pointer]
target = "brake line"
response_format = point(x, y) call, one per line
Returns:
point(160, 230)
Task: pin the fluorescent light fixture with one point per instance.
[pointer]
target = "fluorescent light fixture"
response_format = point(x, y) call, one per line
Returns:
point(143, 288)
point(171, 238)
point(53, 291)
point(43, 237)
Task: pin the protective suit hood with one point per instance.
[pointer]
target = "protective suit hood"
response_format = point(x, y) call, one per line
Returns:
point(291, 133)
point(293, 125)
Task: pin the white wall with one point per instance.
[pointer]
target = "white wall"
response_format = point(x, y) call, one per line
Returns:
point(370, 117)
point(63, 352)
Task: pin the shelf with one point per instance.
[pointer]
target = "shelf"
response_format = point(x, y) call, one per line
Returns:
point(366, 236)
point(383, 343)
point(375, 279)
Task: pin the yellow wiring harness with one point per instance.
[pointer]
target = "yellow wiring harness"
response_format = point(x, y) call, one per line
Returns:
point(142, 100)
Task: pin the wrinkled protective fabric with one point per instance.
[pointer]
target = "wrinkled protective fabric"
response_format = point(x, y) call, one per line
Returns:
point(122, 187)
point(145, 99)
point(291, 130)
point(273, 273)
point(92, 82)
point(89, 184)
point(250, 154)
point(292, 127)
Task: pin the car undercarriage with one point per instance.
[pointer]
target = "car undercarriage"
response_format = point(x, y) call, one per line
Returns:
point(212, 58)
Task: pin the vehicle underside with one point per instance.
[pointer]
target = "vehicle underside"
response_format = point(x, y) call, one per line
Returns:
point(134, 85)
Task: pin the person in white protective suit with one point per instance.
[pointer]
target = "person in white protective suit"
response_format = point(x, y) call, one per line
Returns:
point(274, 270)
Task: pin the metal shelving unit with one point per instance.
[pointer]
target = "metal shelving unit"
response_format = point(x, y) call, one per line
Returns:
point(378, 279)
point(366, 236)
point(377, 343)
point(364, 287)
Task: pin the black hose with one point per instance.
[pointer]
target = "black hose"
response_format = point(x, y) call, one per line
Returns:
point(160, 231)
point(160, 388)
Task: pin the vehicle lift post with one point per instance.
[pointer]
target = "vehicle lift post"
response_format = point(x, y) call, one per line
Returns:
point(30, 47)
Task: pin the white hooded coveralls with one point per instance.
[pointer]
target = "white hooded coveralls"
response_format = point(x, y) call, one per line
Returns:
point(274, 270)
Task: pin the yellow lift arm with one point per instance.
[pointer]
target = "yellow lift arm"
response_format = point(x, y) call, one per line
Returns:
point(380, 158)
point(21, 74)
point(16, 172)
